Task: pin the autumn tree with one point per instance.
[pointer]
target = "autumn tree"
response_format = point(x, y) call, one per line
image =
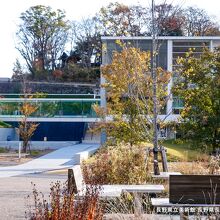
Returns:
point(41, 36)
point(27, 108)
point(199, 87)
point(130, 95)
point(121, 20)
point(27, 128)
point(169, 20)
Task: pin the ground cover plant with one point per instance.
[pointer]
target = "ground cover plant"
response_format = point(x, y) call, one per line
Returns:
point(4, 150)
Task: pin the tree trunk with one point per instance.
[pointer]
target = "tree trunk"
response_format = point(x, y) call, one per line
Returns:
point(154, 76)
point(25, 144)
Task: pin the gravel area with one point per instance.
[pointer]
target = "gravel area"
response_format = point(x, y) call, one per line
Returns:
point(12, 160)
point(14, 192)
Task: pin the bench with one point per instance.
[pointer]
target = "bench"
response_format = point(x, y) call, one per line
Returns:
point(191, 191)
point(77, 184)
point(195, 189)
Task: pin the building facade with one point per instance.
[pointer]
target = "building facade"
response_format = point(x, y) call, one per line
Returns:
point(61, 117)
point(170, 48)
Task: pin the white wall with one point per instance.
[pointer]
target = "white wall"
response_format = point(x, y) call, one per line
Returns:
point(8, 132)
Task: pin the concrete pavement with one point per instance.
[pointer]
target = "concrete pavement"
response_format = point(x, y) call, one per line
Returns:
point(15, 190)
point(59, 159)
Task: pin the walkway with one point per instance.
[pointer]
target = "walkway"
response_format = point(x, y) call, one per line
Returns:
point(59, 159)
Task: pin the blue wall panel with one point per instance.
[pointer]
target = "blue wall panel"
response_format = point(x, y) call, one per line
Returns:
point(58, 131)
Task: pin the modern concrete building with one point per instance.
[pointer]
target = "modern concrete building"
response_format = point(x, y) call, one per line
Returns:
point(61, 117)
point(65, 117)
point(170, 48)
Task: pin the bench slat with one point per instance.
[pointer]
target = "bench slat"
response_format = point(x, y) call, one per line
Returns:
point(195, 189)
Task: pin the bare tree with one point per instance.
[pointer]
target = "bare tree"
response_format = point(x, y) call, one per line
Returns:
point(199, 23)
point(87, 41)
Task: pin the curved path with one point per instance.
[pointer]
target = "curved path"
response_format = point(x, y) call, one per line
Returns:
point(59, 159)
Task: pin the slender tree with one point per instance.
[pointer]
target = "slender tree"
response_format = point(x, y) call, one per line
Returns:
point(155, 100)
point(26, 128)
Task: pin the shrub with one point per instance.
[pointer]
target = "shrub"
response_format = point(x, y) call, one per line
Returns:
point(213, 165)
point(77, 73)
point(119, 164)
point(65, 206)
point(178, 141)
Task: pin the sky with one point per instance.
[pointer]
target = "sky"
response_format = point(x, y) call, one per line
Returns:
point(75, 10)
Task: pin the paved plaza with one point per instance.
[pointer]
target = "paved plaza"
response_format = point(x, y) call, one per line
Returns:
point(14, 192)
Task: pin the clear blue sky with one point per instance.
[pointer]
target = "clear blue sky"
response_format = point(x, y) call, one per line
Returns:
point(75, 10)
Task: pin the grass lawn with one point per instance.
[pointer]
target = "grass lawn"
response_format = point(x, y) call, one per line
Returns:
point(38, 153)
point(182, 151)
point(3, 150)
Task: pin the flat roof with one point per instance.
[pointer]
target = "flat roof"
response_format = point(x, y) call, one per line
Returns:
point(184, 38)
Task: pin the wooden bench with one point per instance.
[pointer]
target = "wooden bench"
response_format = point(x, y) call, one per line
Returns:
point(195, 189)
point(191, 191)
point(76, 183)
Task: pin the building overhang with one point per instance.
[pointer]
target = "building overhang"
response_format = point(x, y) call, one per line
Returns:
point(53, 119)
point(179, 38)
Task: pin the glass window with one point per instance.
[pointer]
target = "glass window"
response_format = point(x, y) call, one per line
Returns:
point(145, 45)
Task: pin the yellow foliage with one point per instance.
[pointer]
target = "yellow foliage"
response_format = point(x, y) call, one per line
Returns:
point(129, 88)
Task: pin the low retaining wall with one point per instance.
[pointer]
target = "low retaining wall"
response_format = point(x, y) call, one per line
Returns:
point(83, 155)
